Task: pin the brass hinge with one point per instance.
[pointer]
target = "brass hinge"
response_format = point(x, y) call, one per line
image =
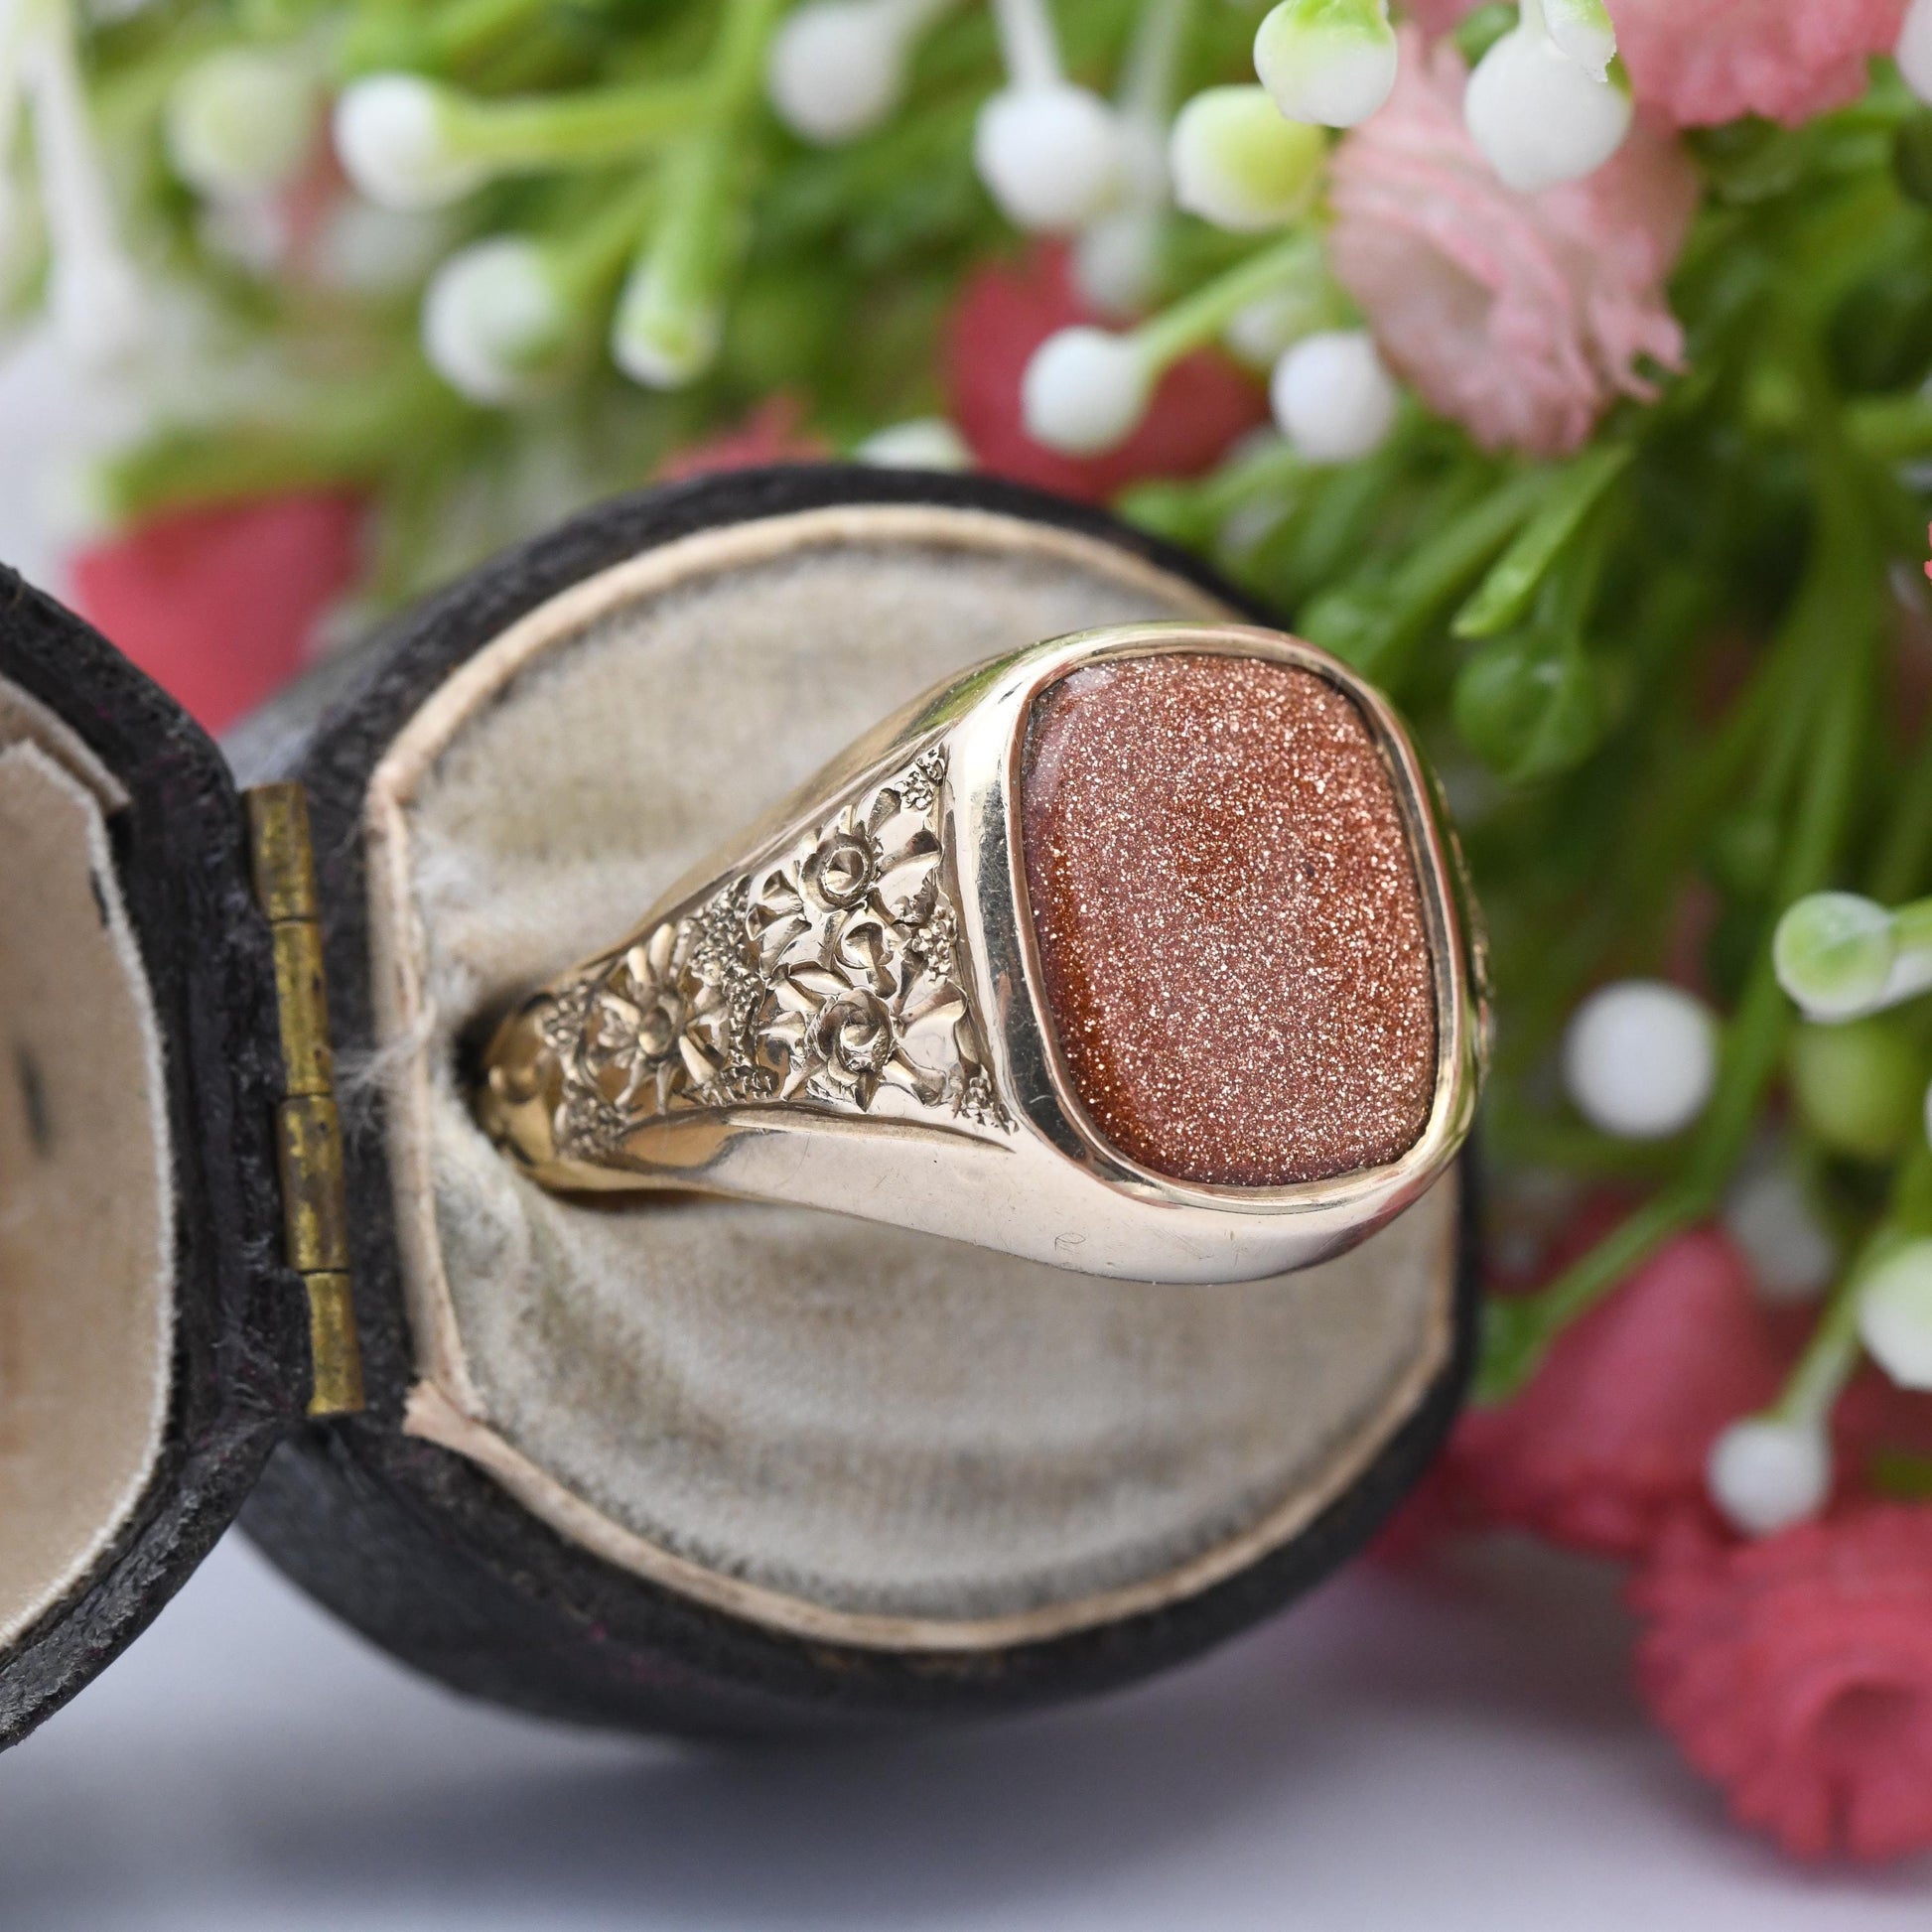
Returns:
point(309, 1129)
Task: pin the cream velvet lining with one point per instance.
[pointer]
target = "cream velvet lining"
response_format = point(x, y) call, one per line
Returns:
point(833, 1428)
point(86, 1195)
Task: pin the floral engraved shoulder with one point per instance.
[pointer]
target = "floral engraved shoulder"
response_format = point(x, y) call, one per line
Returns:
point(829, 972)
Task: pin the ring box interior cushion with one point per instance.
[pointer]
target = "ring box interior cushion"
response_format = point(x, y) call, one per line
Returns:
point(688, 1463)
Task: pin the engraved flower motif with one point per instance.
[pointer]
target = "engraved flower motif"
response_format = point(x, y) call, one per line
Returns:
point(860, 946)
point(876, 857)
point(830, 971)
point(657, 1025)
point(855, 1020)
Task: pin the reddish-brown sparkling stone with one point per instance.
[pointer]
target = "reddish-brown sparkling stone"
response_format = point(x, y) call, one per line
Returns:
point(1228, 920)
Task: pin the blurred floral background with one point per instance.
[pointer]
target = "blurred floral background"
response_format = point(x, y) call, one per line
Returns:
point(1562, 365)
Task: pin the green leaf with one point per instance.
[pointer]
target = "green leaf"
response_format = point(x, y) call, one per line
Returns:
point(1349, 621)
point(1529, 711)
point(1503, 596)
point(1514, 1337)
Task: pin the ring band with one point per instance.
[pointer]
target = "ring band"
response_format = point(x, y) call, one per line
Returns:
point(1143, 952)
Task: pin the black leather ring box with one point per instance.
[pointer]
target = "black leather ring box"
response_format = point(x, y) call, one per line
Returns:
point(694, 1465)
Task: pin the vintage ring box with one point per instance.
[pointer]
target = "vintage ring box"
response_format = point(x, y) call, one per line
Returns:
point(695, 1465)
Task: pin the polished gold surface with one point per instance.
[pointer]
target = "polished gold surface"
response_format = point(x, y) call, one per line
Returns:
point(309, 1139)
point(847, 1012)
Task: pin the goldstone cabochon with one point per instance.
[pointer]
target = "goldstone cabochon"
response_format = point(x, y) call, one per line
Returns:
point(1228, 920)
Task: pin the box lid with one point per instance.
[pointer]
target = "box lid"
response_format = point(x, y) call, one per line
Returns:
point(137, 810)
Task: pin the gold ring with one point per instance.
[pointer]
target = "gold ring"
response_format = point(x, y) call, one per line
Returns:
point(1142, 951)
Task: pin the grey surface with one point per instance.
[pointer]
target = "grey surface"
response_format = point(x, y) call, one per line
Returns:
point(1456, 1756)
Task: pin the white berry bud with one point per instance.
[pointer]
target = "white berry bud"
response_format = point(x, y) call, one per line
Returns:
point(1238, 164)
point(1792, 1253)
point(1838, 956)
point(395, 134)
point(494, 320)
point(1085, 391)
point(1765, 1473)
point(661, 339)
point(926, 443)
point(1896, 1315)
point(1260, 332)
point(1331, 396)
point(1332, 62)
point(1582, 30)
point(239, 122)
point(1914, 51)
point(1049, 156)
point(1641, 1058)
point(1539, 118)
point(837, 68)
point(367, 251)
point(1116, 262)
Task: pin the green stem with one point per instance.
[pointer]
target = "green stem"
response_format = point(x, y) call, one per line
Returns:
point(588, 260)
point(1907, 852)
point(353, 436)
point(598, 126)
point(1836, 618)
point(1200, 318)
point(1891, 429)
point(1503, 596)
point(1147, 81)
point(461, 30)
point(682, 271)
point(1379, 630)
point(1832, 1356)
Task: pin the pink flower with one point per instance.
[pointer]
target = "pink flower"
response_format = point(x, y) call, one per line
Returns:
point(1607, 1445)
point(1696, 62)
point(768, 435)
point(1439, 16)
point(1797, 1672)
point(1003, 312)
point(1522, 317)
point(219, 605)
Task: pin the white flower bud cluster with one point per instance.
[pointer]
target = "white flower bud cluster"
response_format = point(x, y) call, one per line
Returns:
point(1793, 1255)
point(1085, 390)
point(1329, 62)
point(1766, 1472)
point(495, 321)
point(923, 442)
point(1116, 258)
point(94, 294)
point(1640, 1060)
point(1331, 396)
point(1896, 1315)
point(240, 122)
point(398, 137)
point(1542, 104)
point(1769, 1472)
point(1051, 153)
point(837, 68)
point(1238, 164)
point(1840, 956)
point(661, 338)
